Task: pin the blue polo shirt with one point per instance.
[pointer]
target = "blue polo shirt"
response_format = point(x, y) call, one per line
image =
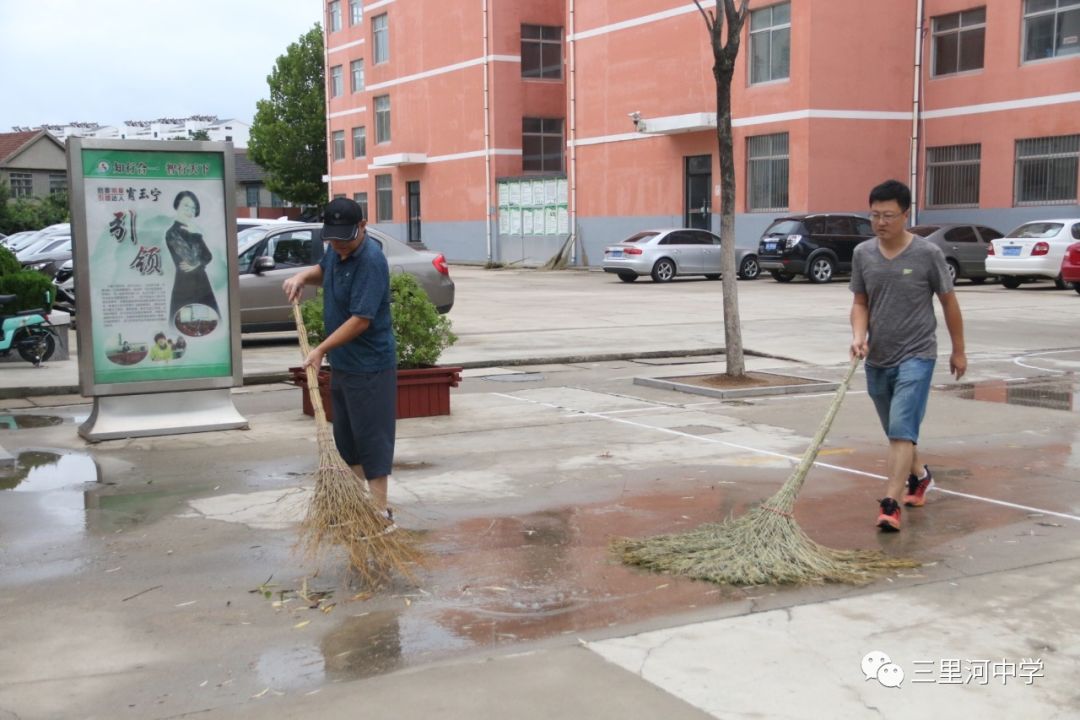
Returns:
point(359, 285)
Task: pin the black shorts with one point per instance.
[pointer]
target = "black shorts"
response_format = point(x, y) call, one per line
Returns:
point(365, 410)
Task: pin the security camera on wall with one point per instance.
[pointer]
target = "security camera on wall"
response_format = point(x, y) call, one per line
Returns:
point(635, 117)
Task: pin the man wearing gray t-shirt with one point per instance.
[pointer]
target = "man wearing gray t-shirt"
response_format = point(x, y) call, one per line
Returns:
point(894, 278)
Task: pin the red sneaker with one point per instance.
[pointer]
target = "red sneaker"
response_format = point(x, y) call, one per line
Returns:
point(889, 517)
point(916, 494)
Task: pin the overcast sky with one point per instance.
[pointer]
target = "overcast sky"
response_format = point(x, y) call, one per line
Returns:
point(114, 60)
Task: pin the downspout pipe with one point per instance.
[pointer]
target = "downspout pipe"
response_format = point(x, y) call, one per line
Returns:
point(573, 134)
point(916, 114)
point(326, 103)
point(487, 136)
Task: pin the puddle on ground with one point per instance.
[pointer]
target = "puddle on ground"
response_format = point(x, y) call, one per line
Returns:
point(43, 471)
point(1049, 393)
point(22, 422)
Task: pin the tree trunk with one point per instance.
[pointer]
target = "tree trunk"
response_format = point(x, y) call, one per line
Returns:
point(733, 348)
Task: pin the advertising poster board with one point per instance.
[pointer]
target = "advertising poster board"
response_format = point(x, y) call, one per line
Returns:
point(156, 266)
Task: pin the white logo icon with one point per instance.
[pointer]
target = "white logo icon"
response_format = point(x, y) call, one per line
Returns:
point(878, 666)
point(103, 167)
point(872, 662)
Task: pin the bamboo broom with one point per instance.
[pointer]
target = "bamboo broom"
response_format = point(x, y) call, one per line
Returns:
point(766, 545)
point(342, 510)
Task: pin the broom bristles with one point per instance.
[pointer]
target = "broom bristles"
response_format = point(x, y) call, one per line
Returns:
point(342, 512)
point(765, 546)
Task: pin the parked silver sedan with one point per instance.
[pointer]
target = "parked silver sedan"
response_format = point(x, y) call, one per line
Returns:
point(270, 254)
point(965, 247)
point(664, 254)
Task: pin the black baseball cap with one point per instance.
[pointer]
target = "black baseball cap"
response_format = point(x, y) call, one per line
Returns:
point(340, 219)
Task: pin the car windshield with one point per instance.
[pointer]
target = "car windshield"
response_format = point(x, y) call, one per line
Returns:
point(640, 237)
point(1037, 230)
point(924, 230)
point(246, 238)
point(785, 227)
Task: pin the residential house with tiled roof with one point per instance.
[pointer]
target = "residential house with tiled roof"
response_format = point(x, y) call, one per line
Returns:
point(32, 163)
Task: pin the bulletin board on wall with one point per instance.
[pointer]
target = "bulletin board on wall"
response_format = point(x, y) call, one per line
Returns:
point(533, 206)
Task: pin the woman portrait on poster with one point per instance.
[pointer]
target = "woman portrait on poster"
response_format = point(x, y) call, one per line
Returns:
point(190, 255)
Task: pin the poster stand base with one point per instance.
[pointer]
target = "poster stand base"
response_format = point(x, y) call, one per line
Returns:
point(126, 416)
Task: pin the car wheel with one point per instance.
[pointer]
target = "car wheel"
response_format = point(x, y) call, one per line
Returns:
point(978, 280)
point(1010, 282)
point(781, 276)
point(628, 276)
point(954, 269)
point(712, 277)
point(663, 270)
point(1076, 286)
point(1059, 282)
point(821, 269)
point(749, 270)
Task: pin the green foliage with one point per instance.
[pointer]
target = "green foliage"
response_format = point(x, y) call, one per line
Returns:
point(288, 135)
point(420, 332)
point(9, 264)
point(31, 213)
point(31, 288)
point(200, 135)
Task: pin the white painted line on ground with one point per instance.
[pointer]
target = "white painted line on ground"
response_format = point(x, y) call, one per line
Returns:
point(1020, 360)
point(772, 453)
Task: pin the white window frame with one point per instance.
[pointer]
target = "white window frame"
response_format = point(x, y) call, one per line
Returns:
point(333, 14)
point(764, 162)
point(959, 31)
point(962, 166)
point(384, 191)
point(356, 12)
point(382, 120)
point(337, 140)
point(354, 67)
point(1060, 7)
point(360, 198)
point(380, 39)
point(337, 81)
point(768, 32)
point(247, 195)
point(361, 131)
point(58, 183)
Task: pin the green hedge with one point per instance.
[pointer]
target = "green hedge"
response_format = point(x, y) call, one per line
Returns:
point(31, 288)
point(9, 264)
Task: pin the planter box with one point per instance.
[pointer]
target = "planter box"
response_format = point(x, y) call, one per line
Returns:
point(422, 392)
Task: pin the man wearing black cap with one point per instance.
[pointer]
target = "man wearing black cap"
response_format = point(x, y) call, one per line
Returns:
point(359, 340)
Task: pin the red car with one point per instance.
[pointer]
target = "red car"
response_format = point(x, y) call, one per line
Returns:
point(1070, 266)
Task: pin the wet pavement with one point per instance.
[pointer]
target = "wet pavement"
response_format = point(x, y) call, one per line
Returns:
point(157, 577)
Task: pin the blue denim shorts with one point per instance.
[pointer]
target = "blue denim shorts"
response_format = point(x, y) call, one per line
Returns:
point(900, 394)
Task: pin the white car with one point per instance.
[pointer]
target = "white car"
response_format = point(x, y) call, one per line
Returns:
point(1033, 250)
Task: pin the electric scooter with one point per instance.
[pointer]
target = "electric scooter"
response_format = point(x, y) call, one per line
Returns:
point(29, 332)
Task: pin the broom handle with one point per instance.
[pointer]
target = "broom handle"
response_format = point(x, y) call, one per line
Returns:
point(799, 476)
point(312, 373)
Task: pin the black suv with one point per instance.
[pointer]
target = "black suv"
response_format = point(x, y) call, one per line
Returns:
point(818, 246)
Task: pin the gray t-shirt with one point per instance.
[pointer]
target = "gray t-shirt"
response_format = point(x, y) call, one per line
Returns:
point(901, 299)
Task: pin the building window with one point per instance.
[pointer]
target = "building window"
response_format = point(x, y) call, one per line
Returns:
point(336, 82)
point(542, 144)
point(361, 200)
point(380, 38)
point(338, 195)
point(382, 119)
point(1046, 170)
point(356, 68)
point(339, 144)
point(359, 142)
point(952, 176)
point(57, 183)
point(384, 198)
point(252, 192)
point(770, 43)
point(356, 12)
point(959, 40)
point(22, 185)
point(541, 52)
point(1051, 28)
point(767, 172)
point(275, 201)
point(334, 13)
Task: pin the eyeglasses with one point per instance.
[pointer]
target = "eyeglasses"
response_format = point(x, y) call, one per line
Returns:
point(884, 217)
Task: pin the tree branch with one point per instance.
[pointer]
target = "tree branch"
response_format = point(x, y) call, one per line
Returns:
point(710, 22)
